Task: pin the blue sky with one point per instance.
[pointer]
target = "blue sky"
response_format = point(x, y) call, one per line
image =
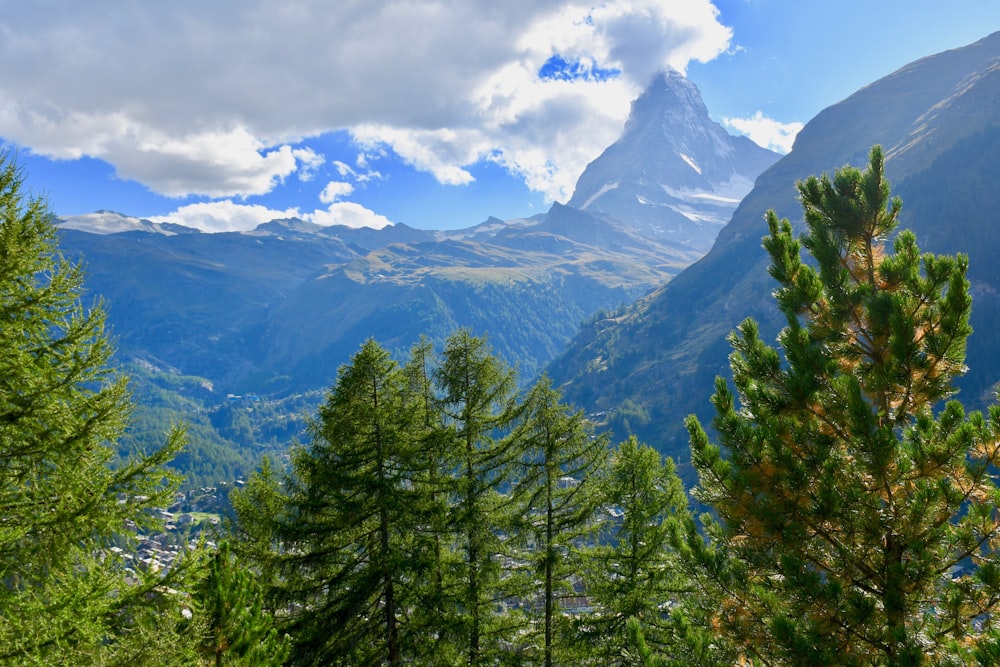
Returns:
point(436, 114)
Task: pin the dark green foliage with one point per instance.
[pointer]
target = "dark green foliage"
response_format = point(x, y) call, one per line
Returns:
point(556, 495)
point(259, 507)
point(437, 517)
point(478, 402)
point(631, 576)
point(64, 596)
point(238, 629)
point(858, 526)
point(350, 522)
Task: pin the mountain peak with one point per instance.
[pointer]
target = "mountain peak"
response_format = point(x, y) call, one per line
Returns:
point(670, 93)
point(104, 221)
point(674, 174)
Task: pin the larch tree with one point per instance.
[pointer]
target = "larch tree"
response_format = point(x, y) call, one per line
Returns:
point(65, 595)
point(556, 493)
point(352, 513)
point(431, 610)
point(857, 510)
point(631, 575)
point(479, 403)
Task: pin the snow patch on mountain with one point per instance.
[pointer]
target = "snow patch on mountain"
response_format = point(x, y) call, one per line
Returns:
point(604, 188)
point(112, 222)
point(730, 192)
point(690, 161)
point(674, 173)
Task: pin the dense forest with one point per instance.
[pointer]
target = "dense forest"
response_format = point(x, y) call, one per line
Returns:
point(438, 514)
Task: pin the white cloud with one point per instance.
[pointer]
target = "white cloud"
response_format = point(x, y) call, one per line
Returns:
point(334, 190)
point(215, 98)
point(766, 132)
point(348, 214)
point(228, 216)
point(224, 216)
point(310, 162)
point(441, 152)
point(344, 169)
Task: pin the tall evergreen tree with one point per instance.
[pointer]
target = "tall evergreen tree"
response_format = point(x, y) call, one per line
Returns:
point(479, 403)
point(431, 610)
point(857, 515)
point(631, 574)
point(558, 501)
point(238, 628)
point(64, 597)
point(259, 508)
point(347, 532)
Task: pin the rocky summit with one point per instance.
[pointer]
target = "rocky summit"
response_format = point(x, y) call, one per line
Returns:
point(675, 174)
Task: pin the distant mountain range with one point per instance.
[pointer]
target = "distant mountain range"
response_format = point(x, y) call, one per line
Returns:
point(938, 120)
point(276, 310)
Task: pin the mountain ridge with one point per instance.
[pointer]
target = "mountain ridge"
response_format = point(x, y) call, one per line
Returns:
point(683, 174)
point(284, 304)
point(663, 353)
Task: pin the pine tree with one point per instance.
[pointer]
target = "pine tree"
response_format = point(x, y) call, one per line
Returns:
point(346, 533)
point(431, 611)
point(64, 596)
point(479, 403)
point(557, 498)
point(258, 509)
point(239, 629)
point(858, 517)
point(632, 577)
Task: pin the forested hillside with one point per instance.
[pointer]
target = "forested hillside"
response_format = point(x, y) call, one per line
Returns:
point(936, 121)
point(439, 515)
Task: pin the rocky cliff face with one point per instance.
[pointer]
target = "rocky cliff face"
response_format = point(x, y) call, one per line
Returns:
point(675, 174)
point(938, 122)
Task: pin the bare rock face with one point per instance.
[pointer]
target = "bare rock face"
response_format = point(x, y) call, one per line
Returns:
point(675, 174)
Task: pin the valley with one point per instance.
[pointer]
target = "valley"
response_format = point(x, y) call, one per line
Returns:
point(276, 310)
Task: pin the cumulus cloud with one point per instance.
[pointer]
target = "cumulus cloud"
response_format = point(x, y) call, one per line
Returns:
point(348, 214)
point(766, 132)
point(309, 162)
point(334, 190)
point(229, 216)
point(224, 216)
point(216, 98)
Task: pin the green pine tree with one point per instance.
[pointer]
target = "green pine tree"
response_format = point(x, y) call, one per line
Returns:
point(347, 531)
point(858, 516)
point(556, 493)
point(239, 629)
point(478, 401)
point(431, 612)
point(258, 508)
point(631, 575)
point(65, 596)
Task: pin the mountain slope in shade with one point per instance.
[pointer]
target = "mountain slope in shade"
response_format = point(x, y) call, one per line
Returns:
point(675, 174)
point(938, 120)
point(278, 308)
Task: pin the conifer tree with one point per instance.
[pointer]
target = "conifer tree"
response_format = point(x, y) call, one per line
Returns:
point(239, 629)
point(858, 516)
point(431, 611)
point(64, 595)
point(631, 575)
point(346, 533)
point(259, 508)
point(557, 496)
point(479, 403)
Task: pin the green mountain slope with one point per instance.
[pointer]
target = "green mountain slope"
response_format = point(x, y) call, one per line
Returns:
point(938, 121)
